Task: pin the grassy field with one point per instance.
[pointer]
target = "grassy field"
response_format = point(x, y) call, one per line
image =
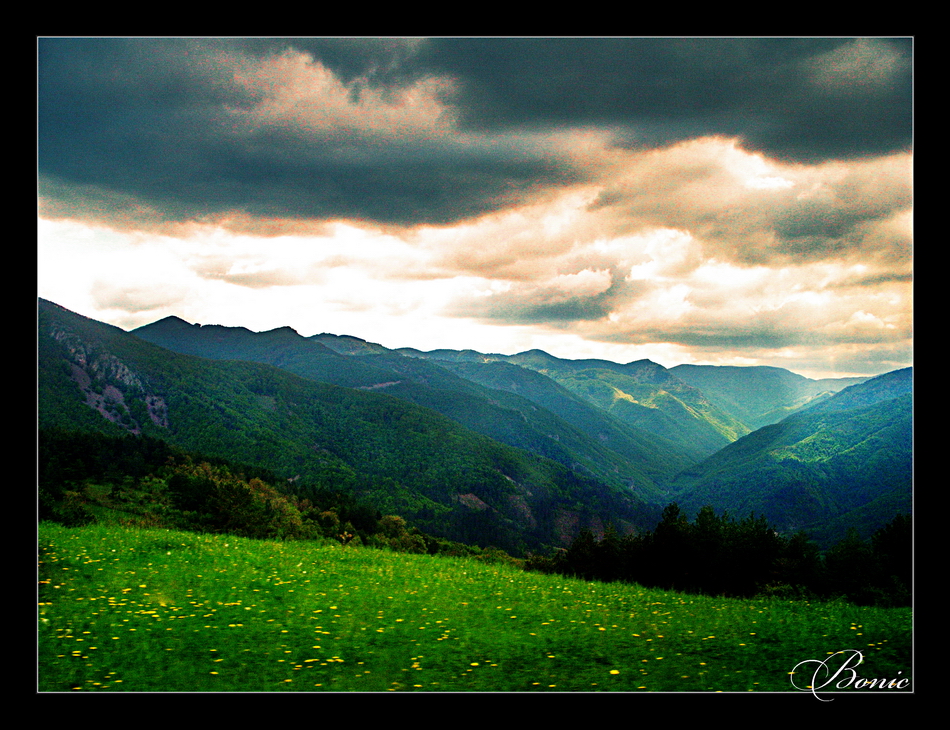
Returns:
point(156, 610)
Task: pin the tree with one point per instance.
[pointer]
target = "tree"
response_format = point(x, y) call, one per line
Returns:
point(581, 558)
point(850, 571)
point(670, 552)
point(893, 547)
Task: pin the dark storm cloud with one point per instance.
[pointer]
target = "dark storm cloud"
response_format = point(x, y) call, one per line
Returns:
point(762, 334)
point(793, 99)
point(366, 61)
point(526, 311)
point(877, 279)
point(160, 121)
point(740, 337)
point(581, 297)
point(155, 120)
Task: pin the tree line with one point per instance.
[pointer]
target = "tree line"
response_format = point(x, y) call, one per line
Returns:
point(143, 481)
point(148, 482)
point(720, 555)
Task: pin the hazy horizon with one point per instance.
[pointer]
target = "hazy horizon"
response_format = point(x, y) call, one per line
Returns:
point(713, 201)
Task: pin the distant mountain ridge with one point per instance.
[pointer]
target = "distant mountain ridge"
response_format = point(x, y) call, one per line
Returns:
point(593, 441)
point(403, 458)
point(648, 396)
point(626, 458)
point(688, 412)
point(759, 396)
point(849, 454)
point(349, 345)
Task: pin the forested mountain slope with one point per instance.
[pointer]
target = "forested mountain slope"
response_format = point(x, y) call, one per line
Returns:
point(641, 394)
point(519, 451)
point(849, 455)
point(625, 458)
point(406, 459)
point(759, 396)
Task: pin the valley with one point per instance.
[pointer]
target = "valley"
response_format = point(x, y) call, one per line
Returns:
point(539, 441)
point(526, 481)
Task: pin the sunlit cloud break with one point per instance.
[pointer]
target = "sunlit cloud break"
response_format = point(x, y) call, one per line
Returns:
point(720, 201)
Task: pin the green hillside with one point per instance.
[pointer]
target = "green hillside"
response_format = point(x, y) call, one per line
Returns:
point(281, 347)
point(835, 458)
point(404, 458)
point(352, 597)
point(759, 396)
point(627, 461)
point(656, 456)
point(519, 451)
point(641, 395)
point(136, 610)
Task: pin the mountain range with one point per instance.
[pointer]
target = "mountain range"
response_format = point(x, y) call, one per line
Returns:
point(521, 451)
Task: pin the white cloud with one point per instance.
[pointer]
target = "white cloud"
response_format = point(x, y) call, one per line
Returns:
point(673, 254)
point(299, 96)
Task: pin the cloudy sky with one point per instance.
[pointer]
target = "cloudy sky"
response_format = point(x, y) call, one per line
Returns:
point(717, 201)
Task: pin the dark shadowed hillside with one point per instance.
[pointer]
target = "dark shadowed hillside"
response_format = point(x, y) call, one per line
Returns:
point(641, 394)
point(759, 396)
point(519, 451)
point(848, 459)
point(402, 457)
point(626, 459)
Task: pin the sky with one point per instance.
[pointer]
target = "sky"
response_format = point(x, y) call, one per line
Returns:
point(717, 201)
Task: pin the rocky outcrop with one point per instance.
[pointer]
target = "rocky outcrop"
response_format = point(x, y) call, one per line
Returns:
point(108, 385)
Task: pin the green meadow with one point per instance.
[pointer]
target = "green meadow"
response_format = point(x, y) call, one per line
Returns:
point(146, 610)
